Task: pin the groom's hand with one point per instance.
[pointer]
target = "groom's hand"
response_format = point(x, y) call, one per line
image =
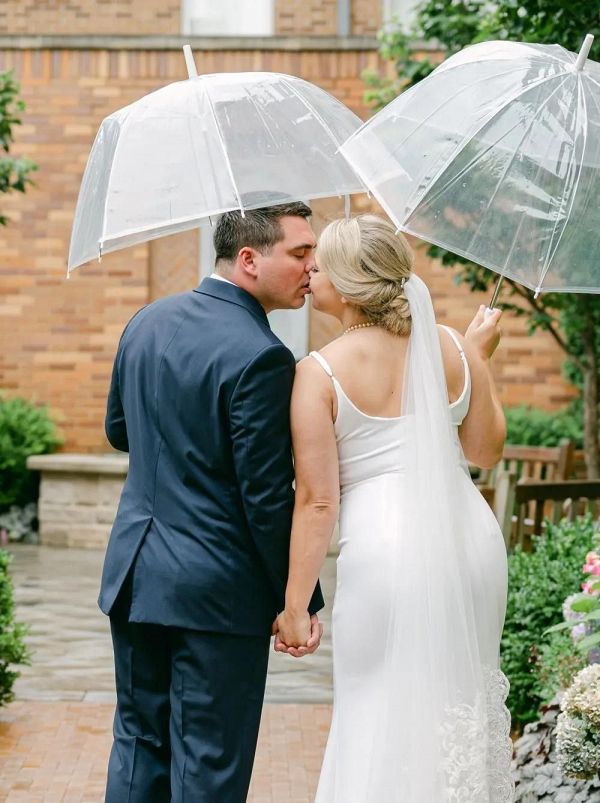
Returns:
point(298, 635)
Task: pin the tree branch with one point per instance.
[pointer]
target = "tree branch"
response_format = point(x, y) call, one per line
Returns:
point(537, 307)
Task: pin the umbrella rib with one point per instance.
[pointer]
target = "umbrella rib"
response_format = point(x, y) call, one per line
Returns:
point(550, 256)
point(539, 56)
point(504, 171)
point(522, 220)
point(114, 159)
point(430, 115)
point(260, 114)
point(467, 138)
point(592, 79)
point(312, 109)
point(223, 147)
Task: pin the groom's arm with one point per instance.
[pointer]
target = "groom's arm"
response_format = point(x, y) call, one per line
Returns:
point(262, 451)
point(114, 424)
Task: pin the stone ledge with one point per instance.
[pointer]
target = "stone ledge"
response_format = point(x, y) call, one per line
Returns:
point(116, 464)
point(231, 43)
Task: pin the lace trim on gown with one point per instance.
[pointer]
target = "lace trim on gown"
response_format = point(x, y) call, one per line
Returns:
point(477, 746)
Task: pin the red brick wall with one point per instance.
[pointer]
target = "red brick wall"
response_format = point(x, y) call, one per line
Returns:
point(320, 17)
point(292, 17)
point(90, 16)
point(309, 17)
point(58, 337)
point(366, 16)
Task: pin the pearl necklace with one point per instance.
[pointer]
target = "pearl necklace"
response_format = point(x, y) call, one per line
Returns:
point(357, 326)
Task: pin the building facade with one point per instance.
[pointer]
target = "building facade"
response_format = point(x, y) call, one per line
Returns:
point(80, 60)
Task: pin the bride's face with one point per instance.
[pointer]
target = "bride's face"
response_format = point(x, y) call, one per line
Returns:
point(325, 297)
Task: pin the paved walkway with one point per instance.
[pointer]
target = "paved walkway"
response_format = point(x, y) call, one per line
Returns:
point(55, 739)
point(58, 752)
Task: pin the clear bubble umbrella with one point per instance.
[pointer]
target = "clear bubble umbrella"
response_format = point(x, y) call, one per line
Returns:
point(495, 156)
point(201, 147)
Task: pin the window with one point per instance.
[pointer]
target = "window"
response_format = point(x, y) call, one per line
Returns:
point(228, 18)
point(402, 10)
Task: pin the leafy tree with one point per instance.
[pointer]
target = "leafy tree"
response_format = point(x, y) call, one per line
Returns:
point(572, 319)
point(14, 173)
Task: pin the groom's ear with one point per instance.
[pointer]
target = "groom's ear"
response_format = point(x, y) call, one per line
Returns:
point(247, 259)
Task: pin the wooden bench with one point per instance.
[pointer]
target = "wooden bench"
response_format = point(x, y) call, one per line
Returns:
point(570, 497)
point(501, 498)
point(520, 464)
point(534, 462)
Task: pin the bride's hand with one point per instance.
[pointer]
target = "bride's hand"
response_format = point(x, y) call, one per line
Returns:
point(484, 333)
point(298, 635)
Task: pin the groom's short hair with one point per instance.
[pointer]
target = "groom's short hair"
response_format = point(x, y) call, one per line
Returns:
point(260, 229)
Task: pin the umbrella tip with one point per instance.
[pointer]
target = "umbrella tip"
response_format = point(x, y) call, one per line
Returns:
point(189, 62)
point(583, 53)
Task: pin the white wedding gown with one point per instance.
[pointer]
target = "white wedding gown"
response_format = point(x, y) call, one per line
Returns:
point(473, 744)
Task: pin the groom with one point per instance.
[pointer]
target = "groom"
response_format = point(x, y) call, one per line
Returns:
point(197, 562)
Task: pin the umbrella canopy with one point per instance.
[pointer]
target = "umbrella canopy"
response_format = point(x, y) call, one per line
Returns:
point(495, 157)
point(204, 146)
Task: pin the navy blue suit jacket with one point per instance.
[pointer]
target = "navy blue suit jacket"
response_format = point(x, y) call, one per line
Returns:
point(200, 397)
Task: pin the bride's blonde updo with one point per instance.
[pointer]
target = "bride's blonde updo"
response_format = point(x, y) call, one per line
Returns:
point(366, 261)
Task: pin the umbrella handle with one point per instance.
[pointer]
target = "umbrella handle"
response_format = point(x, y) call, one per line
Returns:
point(490, 310)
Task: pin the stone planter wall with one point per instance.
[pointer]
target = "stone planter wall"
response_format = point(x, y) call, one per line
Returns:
point(79, 496)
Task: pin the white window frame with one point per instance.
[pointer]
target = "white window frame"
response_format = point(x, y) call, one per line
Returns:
point(228, 17)
point(404, 10)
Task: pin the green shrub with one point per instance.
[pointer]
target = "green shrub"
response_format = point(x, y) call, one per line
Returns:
point(12, 646)
point(25, 429)
point(556, 664)
point(532, 426)
point(539, 583)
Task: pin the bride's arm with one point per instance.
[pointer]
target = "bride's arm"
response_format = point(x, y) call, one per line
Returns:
point(483, 431)
point(317, 494)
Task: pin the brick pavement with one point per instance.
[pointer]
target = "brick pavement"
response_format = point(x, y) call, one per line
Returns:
point(57, 752)
point(55, 739)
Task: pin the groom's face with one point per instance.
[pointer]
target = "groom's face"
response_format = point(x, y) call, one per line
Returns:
point(283, 271)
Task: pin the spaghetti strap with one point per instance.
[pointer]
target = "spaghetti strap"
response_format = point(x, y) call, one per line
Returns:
point(322, 362)
point(453, 336)
point(466, 391)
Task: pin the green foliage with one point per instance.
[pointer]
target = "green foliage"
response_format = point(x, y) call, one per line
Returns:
point(532, 426)
point(25, 429)
point(557, 663)
point(394, 46)
point(12, 646)
point(539, 582)
point(548, 21)
point(14, 173)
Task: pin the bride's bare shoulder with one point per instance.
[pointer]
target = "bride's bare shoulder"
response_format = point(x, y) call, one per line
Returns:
point(308, 369)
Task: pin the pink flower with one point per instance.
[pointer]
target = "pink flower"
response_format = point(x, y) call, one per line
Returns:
point(596, 569)
point(587, 587)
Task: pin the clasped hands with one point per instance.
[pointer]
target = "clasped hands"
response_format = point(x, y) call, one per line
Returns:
point(297, 634)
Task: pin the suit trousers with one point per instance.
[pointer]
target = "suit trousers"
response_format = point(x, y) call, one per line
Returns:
point(188, 713)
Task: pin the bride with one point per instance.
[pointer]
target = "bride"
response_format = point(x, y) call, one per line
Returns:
point(382, 421)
